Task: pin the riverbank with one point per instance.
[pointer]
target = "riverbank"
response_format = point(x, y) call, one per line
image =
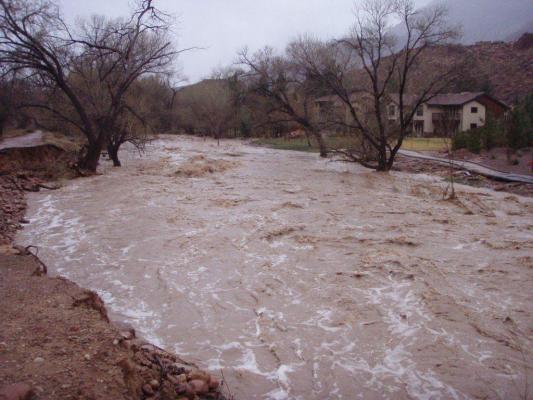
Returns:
point(56, 340)
point(436, 147)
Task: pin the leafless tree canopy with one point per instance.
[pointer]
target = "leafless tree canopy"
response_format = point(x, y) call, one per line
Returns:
point(209, 107)
point(92, 69)
point(86, 76)
point(369, 65)
point(287, 87)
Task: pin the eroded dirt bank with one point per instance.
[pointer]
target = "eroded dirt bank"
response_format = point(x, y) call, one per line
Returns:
point(56, 342)
point(300, 278)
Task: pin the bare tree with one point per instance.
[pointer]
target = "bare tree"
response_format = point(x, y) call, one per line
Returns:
point(208, 107)
point(94, 69)
point(131, 128)
point(288, 88)
point(137, 121)
point(7, 99)
point(365, 68)
point(447, 127)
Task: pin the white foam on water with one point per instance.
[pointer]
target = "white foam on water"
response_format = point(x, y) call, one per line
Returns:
point(277, 394)
point(293, 324)
point(401, 306)
point(248, 362)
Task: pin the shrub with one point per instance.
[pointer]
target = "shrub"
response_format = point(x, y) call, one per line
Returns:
point(520, 129)
point(486, 137)
point(459, 141)
point(470, 140)
point(473, 141)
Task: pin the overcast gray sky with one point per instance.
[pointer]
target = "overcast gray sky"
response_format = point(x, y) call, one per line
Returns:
point(223, 27)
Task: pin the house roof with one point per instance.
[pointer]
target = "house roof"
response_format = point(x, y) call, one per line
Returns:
point(445, 99)
point(454, 99)
point(459, 99)
point(448, 99)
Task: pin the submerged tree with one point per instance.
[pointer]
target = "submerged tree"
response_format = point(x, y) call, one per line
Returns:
point(371, 68)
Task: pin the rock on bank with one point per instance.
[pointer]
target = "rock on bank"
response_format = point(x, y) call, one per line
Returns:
point(57, 343)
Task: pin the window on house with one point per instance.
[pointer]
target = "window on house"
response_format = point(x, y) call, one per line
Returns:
point(419, 128)
point(474, 110)
point(420, 111)
point(392, 110)
point(473, 126)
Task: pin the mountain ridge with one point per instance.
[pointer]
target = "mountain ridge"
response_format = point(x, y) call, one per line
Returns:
point(489, 20)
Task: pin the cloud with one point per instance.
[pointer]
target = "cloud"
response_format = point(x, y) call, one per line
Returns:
point(223, 27)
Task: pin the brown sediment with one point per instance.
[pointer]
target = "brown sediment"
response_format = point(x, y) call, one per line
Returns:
point(278, 233)
point(12, 207)
point(46, 162)
point(28, 169)
point(389, 291)
point(56, 338)
point(13, 202)
point(199, 166)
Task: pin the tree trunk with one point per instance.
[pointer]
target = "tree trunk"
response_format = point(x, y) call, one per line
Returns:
point(113, 155)
point(90, 161)
point(321, 144)
point(309, 144)
point(390, 161)
point(383, 163)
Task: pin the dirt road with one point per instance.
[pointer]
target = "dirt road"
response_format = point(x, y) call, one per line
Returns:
point(32, 139)
point(303, 279)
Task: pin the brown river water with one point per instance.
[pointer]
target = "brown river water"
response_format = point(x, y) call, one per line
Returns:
point(301, 278)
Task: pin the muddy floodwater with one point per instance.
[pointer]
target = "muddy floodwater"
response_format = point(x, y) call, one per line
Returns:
point(301, 278)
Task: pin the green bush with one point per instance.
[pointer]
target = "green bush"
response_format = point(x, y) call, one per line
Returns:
point(486, 137)
point(520, 125)
point(459, 141)
point(474, 141)
point(515, 132)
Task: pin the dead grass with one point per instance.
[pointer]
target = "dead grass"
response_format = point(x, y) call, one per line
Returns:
point(199, 166)
point(342, 141)
point(67, 143)
point(425, 144)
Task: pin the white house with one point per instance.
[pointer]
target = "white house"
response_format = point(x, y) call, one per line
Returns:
point(457, 112)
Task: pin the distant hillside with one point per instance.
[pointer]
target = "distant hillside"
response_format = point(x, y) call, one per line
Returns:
point(490, 20)
point(201, 87)
point(503, 69)
point(520, 32)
